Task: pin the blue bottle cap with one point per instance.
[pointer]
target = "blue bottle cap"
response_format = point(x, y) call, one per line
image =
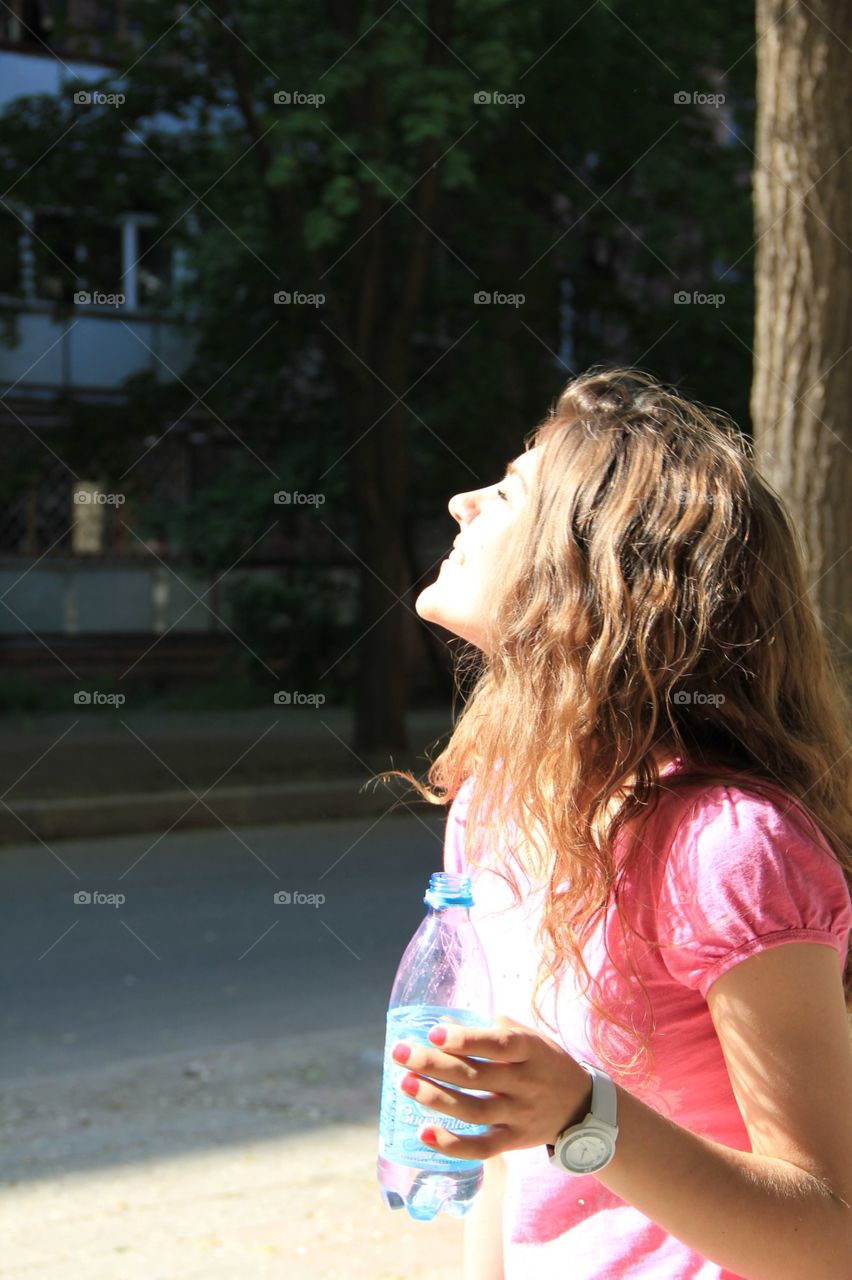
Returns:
point(448, 890)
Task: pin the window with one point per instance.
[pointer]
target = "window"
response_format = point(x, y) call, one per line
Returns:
point(154, 267)
point(129, 256)
point(28, 23)
point(11, 235)
point(55, 258)
point(81, 27)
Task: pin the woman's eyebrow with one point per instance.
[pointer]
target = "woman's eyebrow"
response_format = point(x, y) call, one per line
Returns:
point(512, 470)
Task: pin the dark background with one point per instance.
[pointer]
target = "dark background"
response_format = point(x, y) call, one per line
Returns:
point(608, 173)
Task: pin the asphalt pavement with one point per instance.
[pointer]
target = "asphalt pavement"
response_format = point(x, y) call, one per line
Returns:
point(186, 1060)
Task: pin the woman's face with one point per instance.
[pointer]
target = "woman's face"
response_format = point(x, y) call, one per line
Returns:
point(462, 596)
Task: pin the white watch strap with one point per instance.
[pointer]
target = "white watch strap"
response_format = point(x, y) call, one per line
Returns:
point(604, 1097)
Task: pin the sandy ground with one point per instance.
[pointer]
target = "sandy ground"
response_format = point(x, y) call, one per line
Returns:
point(140, 1170)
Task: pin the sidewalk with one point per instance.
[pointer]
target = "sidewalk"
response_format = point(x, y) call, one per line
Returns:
point(276, 1177)
point(95, 772)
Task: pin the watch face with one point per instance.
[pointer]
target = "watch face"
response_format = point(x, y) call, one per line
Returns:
point(586, 1152)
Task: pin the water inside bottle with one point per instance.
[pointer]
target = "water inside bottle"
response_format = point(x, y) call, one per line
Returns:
point(411, 1174)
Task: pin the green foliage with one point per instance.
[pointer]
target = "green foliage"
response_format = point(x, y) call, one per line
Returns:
point(214, 527)
point(292, 188)
point(294, 624)
point(597, 198)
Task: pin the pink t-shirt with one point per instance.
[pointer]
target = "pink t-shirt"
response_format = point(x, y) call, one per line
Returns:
point(727, 875)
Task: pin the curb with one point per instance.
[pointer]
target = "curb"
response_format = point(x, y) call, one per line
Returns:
point(68, 818)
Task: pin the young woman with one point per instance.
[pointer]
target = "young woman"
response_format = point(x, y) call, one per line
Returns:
point(650, 789)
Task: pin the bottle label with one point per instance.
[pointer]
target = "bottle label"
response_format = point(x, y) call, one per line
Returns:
point(401, 1117)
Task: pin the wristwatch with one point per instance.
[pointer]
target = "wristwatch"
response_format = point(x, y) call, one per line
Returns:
point(588, 1146)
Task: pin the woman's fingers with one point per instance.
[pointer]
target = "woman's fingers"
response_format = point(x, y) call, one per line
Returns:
point(486, 1110)
point(470, 1074)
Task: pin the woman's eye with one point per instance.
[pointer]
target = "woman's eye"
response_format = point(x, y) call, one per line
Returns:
point(501, 493)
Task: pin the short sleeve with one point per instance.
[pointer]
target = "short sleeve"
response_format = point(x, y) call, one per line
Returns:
point(454, 832)
point(739, 878)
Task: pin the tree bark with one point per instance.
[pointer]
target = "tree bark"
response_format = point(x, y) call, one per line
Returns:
point(802, 390)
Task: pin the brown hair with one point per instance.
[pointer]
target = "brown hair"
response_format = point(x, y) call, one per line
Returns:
point(654, 602)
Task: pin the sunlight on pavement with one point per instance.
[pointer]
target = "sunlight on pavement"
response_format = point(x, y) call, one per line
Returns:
point(304, 1207)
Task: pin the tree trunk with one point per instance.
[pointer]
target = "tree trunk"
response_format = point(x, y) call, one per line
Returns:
point(387, 291)
point(379, 471)
point(802, 391)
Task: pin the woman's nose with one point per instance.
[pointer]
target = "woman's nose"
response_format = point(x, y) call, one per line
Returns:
point(464, 506)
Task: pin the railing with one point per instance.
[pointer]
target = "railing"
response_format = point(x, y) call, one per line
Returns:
point(93, 351)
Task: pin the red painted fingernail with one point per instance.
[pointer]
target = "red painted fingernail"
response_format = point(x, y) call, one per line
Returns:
point(428, 1135)
point(401, 1052)
point(438, 1035)
point(409, 1084)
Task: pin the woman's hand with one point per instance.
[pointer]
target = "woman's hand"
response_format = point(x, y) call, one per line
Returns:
point(537, 1089)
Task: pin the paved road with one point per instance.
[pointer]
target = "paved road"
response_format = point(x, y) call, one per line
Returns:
point(199, 953)
point(190, 1078)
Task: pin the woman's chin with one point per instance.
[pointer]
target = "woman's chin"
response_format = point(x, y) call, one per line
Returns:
point(428, 604)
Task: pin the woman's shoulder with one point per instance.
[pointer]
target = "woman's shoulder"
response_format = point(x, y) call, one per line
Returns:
point(715, 837)
point(734, 805)
point(747, 840)
point(741, 868)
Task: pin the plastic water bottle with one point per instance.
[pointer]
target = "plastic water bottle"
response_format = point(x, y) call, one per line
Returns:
point(443, 974)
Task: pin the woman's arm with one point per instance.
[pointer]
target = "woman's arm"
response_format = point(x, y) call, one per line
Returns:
point(778, 1212)
point(483, 1225)
point(781, 1211)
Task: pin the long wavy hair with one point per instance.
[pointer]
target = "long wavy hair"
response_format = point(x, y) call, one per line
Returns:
point(653, 603)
